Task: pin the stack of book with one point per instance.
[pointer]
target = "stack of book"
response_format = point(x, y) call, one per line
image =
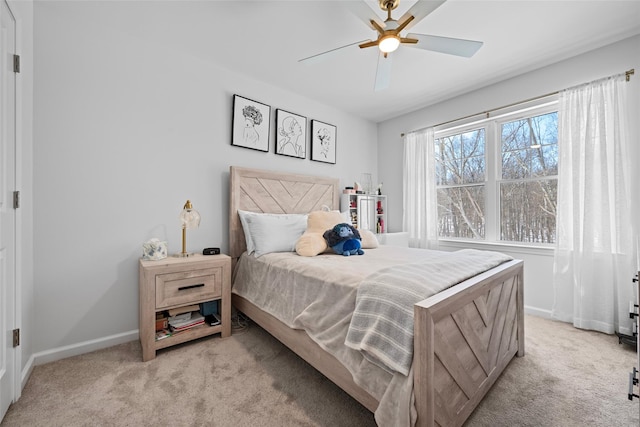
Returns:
point(184, 321)
point(172, 321)
point(161, 321)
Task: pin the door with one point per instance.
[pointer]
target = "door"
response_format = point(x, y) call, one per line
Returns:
point(7, 211)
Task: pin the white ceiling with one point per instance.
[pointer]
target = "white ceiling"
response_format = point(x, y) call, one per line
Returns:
point(266, 39)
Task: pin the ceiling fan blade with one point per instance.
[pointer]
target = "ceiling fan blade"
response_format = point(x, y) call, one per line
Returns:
point(362, 11)
point(369, 43)
point(408, 40)
point(328, 54)
point(419, 10)
point(383, 72)
point(458, 47)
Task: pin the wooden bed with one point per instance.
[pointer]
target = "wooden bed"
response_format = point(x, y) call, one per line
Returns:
point(464, 337)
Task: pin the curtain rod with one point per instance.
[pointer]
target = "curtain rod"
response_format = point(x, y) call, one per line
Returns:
point(627, 74)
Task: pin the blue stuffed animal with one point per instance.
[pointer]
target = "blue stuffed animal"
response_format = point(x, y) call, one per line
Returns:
point(344, 239)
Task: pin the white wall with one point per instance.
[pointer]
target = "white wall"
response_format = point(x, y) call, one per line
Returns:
point(126, 130)
point(603, 62)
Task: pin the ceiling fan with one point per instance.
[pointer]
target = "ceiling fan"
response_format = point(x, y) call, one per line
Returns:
point(389, 37)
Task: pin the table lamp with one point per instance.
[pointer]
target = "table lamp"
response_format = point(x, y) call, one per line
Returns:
point(189, 218)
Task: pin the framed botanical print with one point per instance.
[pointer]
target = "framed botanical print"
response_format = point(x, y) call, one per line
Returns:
point(250, 127)
point(291, 134)
point(323, 142)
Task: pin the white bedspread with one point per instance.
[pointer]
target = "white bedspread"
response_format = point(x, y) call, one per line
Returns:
point(318, 295)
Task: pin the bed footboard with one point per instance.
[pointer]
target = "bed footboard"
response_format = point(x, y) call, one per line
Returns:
point(464, 337)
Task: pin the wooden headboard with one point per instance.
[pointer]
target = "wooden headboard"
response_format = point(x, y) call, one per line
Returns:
point(266, 191)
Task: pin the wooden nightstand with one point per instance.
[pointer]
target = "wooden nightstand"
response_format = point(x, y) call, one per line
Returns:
point(175, 282)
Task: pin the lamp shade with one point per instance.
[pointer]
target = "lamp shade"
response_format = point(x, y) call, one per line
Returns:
point(189, 217)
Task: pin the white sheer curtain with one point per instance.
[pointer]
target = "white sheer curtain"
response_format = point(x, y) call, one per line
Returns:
point(594, 261)
point(420, 209)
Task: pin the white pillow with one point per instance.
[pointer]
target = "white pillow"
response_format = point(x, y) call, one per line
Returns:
point(272, 232)
point(245, 227)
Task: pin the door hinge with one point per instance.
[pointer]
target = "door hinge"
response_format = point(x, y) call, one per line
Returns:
point(16, 199)
point(16, 63)
point(16, 337)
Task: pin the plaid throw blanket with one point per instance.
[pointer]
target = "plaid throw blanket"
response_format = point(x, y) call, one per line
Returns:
point(382, 323)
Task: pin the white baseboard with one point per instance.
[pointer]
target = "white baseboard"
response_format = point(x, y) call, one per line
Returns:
point(81, 348)
point(26, 372)
point(537, 312)
point(547, 315)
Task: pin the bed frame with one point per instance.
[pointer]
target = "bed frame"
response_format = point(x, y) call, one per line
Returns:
point(464, 337)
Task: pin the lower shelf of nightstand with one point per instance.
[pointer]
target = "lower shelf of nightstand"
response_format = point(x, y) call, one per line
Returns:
point(188, 335)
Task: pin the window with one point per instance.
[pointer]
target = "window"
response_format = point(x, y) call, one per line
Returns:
point(460, 178)
point(497, 179)
point(528, 187)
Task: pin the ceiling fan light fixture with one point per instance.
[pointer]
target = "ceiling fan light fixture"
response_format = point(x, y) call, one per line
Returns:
point(389, 43)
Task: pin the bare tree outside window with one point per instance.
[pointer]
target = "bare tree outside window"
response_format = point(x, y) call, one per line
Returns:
point(525, 184)
point(528, 189)
point(460, 175)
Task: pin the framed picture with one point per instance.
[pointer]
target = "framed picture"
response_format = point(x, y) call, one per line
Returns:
point(323, 142)
point(291, 134)
point(250, 128)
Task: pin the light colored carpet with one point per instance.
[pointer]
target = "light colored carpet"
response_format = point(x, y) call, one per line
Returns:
point(567, 378)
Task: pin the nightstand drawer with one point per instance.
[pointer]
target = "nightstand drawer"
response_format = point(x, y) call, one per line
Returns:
point(188, 286)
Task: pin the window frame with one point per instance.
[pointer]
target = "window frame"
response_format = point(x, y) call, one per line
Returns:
point(493, 163)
